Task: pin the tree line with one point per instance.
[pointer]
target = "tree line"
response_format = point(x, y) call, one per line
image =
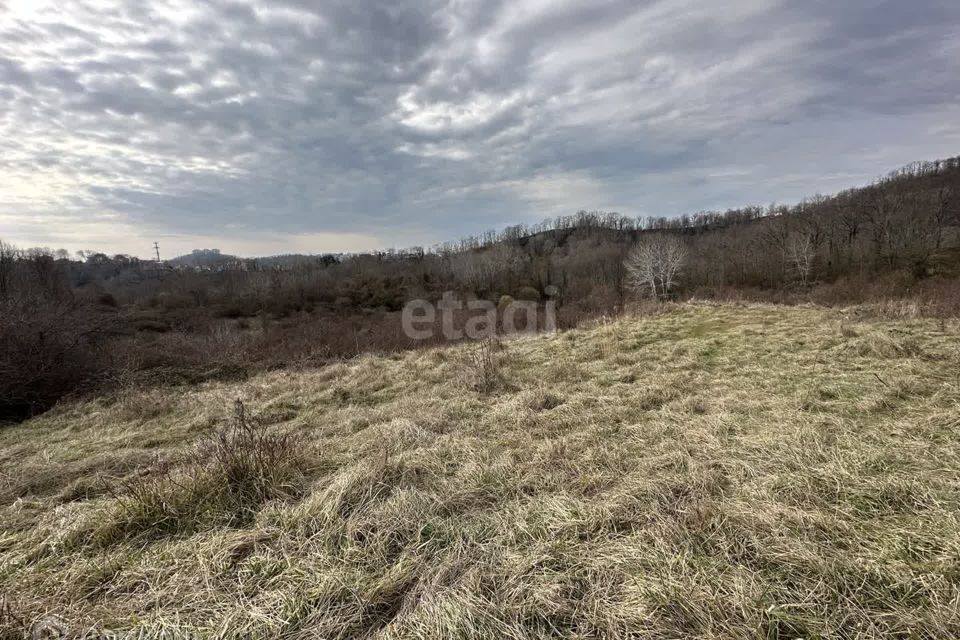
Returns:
point(72, 322)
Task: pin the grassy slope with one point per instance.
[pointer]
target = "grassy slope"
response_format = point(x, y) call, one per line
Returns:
point(716, 471)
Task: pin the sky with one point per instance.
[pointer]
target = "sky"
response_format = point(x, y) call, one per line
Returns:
point(300, 126)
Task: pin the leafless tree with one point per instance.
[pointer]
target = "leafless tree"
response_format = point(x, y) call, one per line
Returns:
point(801, 254)
point(654, 265)
point(8, 256)
point(882, 209)
point(941, 214)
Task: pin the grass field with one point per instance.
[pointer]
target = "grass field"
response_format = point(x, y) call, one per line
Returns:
point(713, 471)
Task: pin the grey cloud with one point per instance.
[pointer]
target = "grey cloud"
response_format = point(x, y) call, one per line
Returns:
point(426, 119)
point(14, 75)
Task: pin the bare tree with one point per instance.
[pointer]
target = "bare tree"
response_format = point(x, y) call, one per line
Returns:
point(8, 256)
point(941, 214)
point(882, 209)
point(801, 254)
point(654, 265)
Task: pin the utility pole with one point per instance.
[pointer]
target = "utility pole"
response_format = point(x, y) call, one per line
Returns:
point(157, 269)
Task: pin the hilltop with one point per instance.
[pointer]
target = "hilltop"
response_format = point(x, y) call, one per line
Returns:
point(706, 471)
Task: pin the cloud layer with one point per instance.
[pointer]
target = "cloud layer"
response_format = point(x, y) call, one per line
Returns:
point(305, 126)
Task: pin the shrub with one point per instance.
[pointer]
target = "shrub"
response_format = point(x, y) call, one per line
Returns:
point(246, 306)
point(47, 351)
point(151, 325)
point(170, 301)
point(528, 293)
point(107, 299)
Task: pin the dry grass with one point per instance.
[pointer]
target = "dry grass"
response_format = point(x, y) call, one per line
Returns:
point(484, 365)
point(224, 480)
point(716, 471)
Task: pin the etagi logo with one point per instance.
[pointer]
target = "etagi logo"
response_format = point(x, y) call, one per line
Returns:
point(485, 319)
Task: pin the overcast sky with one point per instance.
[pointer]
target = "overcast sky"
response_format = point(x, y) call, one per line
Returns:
point(308, 126)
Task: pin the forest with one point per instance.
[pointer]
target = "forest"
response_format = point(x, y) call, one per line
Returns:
point(74, 324)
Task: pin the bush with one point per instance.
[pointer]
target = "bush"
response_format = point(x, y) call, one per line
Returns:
point(107, 299)
point(151, 325)
point(528, 293)
point(170, 301)
point(47, 351)
point(247, 306)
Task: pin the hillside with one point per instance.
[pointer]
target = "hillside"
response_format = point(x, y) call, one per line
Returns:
point(206, 258)
point(71, 327)
point(709, 471)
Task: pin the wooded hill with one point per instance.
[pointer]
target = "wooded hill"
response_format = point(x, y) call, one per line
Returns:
point(68, 325)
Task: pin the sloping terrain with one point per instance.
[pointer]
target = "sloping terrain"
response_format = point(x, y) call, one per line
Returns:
point(711, 471)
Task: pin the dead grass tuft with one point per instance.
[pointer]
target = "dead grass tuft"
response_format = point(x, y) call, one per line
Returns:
point(12, 625)
point(483, 362)
point(884, 345)
point(543, 400)
point(224, 480)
